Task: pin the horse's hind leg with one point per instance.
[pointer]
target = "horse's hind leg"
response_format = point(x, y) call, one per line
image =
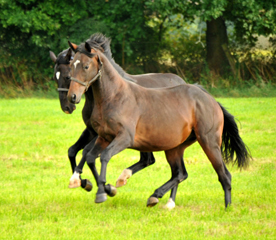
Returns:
point(171, 203)
point(146, 159)
point(174, 157)
point(211, 148)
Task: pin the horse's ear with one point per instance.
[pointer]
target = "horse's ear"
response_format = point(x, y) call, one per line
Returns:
point(69, 55)
point(73, 46)
point(53, 57)
point(87, 47)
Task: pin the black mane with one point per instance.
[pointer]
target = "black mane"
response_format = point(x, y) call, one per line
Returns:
point(102, 43)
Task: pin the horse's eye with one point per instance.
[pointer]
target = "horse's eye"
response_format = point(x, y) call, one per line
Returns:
point(68, 77)
point(86, 67)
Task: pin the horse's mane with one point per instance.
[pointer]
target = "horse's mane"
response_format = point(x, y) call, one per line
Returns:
point(102, 43)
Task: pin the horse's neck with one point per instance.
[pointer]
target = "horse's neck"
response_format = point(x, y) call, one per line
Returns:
point(110, 83)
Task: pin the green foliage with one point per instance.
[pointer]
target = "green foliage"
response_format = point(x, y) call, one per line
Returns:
point(184, 44)
point(29, 29)
point(147, 36)
point(249, 18)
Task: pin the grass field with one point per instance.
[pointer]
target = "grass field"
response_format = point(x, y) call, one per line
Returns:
point(36, 203)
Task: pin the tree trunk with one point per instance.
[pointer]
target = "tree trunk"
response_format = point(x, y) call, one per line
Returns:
point(216, 36)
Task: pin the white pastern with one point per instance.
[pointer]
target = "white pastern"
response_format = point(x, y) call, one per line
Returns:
point(122, 180)
point(170, 204)
point(76, 63)
point(75, 180)
point(57, 75)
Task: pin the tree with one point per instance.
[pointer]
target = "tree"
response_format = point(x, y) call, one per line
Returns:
point(250, 18)
point(30, 28)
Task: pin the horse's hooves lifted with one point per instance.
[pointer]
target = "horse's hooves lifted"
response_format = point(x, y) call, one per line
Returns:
point(110, 190)
point(88, 186)
point(152, 201)
point(101, 198)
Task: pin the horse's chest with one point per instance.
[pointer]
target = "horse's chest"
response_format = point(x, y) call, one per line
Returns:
point(105, 126)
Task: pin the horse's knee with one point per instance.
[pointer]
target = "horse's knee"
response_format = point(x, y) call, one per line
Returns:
point(90, 158)
point(105, 157)
point(72, 152)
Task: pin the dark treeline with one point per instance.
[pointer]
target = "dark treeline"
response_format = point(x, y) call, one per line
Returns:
point(195, 39)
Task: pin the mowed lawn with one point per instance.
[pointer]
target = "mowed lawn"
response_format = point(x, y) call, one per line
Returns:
point(36, 203)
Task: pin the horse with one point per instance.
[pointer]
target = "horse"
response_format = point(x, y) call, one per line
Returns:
point(127, 115)
point(61, 75)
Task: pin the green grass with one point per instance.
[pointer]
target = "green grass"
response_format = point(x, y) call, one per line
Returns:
point(35, 202)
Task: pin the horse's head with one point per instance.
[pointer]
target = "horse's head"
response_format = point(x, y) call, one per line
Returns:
point(62, 77)
point(85, 69)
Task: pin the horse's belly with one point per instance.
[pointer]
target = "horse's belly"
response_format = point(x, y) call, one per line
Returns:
point(160, 143)
point(156, 135)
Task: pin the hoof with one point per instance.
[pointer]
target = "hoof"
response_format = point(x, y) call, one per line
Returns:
point(110, 190)
point(88, 185)
point(152, 201)
point(122, 180)
point(75, 181)
point(170, 204)
point(101, 198)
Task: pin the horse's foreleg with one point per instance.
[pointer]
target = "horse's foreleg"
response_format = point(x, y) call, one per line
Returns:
point(146, 159)
point(75, 180)
point(83, 140)
point(91, 156)
point(119, 143)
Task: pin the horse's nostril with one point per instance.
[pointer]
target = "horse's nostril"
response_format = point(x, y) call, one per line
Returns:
point(73, 98)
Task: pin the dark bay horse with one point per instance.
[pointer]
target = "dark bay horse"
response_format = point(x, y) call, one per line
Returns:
point(127, 115)
point(61, 75)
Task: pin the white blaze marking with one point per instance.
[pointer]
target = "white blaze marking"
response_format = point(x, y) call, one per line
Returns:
point(76, 63)
point(57, 75)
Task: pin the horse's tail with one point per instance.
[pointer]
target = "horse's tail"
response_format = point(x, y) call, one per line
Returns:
point(232, 142)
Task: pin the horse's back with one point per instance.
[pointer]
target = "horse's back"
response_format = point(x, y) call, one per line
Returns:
point(157, 80)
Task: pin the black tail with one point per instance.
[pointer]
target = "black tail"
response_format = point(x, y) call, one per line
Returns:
point(232, 142)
